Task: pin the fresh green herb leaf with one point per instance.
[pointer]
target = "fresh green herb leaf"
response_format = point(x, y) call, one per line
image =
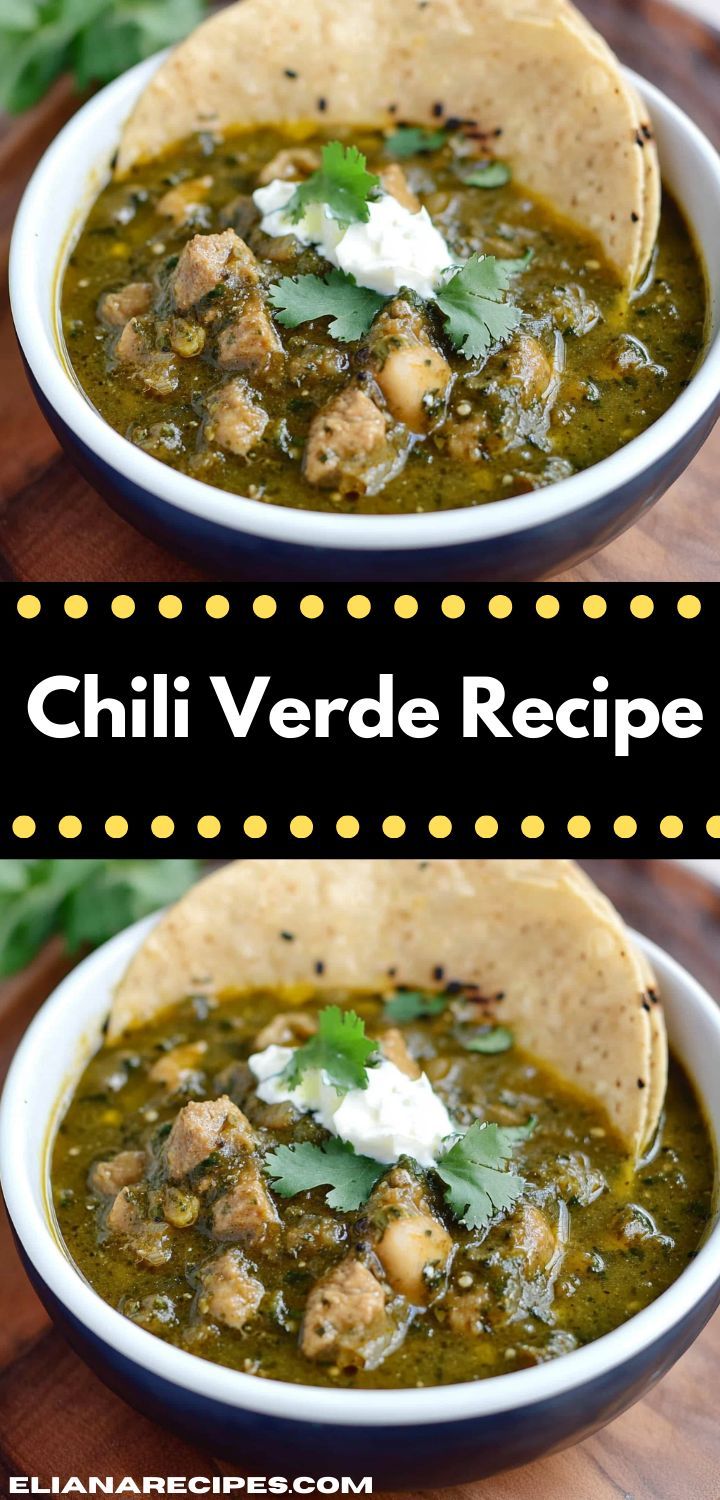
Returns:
point(492, 174)
point(412, 1005)
point(86, 901)
point(412, 140)
point(93, 39)
point(515, 264)
point(476, 314)
point(489, 1040)
point(340, 1048)
point(294, 1169)
point(475, 1174)
point(342, 183)
point(337, 296)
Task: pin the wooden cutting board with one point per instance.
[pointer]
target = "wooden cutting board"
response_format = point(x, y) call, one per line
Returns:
point(57, 1418)
point(53, 526)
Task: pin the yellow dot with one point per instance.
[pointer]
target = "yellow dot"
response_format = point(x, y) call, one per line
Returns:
point(671, 827)
point(170, 606)
point(208, 826)
point(311, 606)
point(578, 827)
point(162, 827)
point(713, 826)
point(347, 826)
point(393, 827)
point(116, 827)
point(453, 606)
point(217, 606)
point(594, 606)
point(255, 826)
point(301, 827)
point(123, 606)
point(547, 606)
point(406, 606)
point(500, 606)
point(641, 606)
point(439, 827)
point(532, 827)
point(358, 606)
point(689, 606)
point(23, 827)
point(264, 606)
point(486, 827)
point(75, 606)
point(28, 606)
point(625, 826)
point(69, 827)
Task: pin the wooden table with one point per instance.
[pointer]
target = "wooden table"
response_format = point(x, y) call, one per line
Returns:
point(53, 526)
point(56, 1417)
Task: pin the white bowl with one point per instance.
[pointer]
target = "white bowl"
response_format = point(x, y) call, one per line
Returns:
point(525, 537)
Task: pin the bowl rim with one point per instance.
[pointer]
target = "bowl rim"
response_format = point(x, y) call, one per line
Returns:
point(281, 1399)
point(306, 528)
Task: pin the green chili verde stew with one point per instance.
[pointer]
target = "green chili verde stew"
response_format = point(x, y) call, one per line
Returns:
point(244, 358)
point(239, 1228)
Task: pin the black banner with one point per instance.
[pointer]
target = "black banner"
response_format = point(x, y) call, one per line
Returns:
point(553, 720)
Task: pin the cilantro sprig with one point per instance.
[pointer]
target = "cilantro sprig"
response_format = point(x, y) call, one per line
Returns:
point(342, 183)
point(351, 1177)
point(299, 299)
point(475, 1173)
point(476, 312)
point(413, 1005)
point(413, 140)
point(339, 1048)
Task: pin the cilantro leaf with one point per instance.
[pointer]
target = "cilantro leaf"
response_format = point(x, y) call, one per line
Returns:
point(337, 296)
point(515, 264)
point(294, 1169)
point(340, 1048)
point(474, 1172)
point(489, 1040)
point(412, 140)
point(492, 174)
point(86, 901)
point(342, 183)
point(412, 1005)
point(472, 300)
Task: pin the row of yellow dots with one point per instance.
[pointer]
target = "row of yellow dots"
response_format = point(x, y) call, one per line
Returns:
point(359, 606)
point(393, 827)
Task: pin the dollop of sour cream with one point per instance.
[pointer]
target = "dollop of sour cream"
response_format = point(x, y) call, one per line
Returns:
point(394, 1116)
point(395, 248)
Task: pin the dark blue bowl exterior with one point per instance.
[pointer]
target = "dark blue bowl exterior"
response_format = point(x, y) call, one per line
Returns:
point(528, 554)
point(422, 1457)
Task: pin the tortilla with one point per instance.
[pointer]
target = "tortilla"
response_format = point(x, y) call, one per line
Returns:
point(545, 950)
point(545, 90)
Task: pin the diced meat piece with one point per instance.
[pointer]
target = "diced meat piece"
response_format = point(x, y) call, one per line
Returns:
point(117, 308)
point(527, 366)
point(285, 1029)
point(208, 259)
point(532, 1238)
point(345, 1318)
point(314, 1232)
point(179, 1066)
point(230, 1295)
point(251, 341)
point(202, 1128)
point(412, 374)
point(467, 1309)
point(149, 1241)
point(181, 203)
point(394, 1047)
point(108, 1177)
point(412, 1245)
point(246, 1212)
point(396, 184)
point(290, 164)
point(309, 364)
point(155, 368)
point(576, 1180)
point(631, 1226)
point(132, 347)
point(348, 447)
point(236, 422)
